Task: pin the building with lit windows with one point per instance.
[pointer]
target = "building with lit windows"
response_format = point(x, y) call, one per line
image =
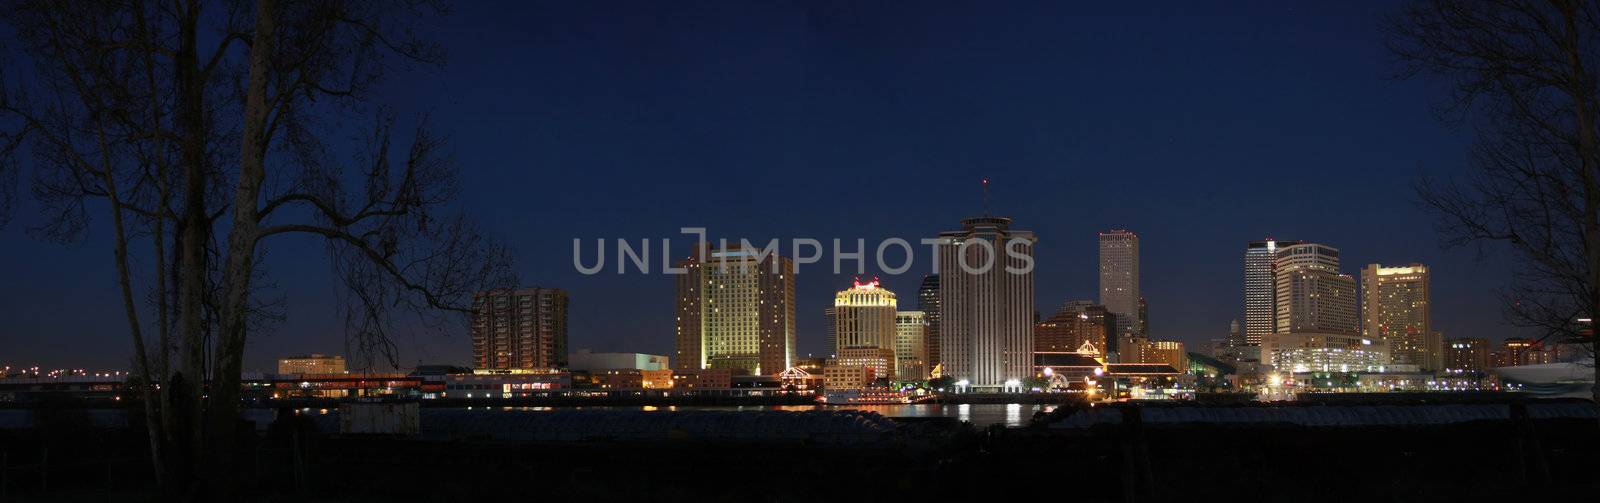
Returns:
point(1305, 352)
point(1396, 308)
point(736, 311)
point(1466, 356)
point(1075, 323)
point(1168, 352)
point(1311, 295)
point(864, 317)
point(880, 360)
point(910, 345)
point(843, 377)
point(520, 329)
point(928, 303)
point(832, 331)
point(1516, 352)
point(312, 364)
point(986, 304)
point(689, 379)
point(1260, 289)
point(1119, 278)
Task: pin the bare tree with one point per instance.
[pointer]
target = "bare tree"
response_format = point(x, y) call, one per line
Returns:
point(213, 154)
point(1520, 75)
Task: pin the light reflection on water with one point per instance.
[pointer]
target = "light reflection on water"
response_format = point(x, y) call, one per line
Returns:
point(980, 415)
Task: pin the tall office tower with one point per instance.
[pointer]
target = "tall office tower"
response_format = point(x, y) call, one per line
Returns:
point(928, 303)
point(986, 303)
point(833, 332)
point(1311, 294)
point(520, 329)
point(1260, 289)
point(1395, 308)
point(736, 311)
point(1467, 355)
point(1119, 278)
point(1077, 322)
point(911, 345)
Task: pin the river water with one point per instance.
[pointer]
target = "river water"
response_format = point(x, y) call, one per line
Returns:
point(980, 415)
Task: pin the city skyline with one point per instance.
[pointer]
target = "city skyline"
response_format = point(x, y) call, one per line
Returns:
point(1059, 147)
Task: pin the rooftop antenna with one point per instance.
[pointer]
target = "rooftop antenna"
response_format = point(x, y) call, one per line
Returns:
point(986, 196)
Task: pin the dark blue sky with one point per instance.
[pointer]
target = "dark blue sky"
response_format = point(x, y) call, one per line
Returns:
point(1200, 128)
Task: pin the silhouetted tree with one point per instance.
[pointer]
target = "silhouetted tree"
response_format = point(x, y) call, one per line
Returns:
point(1521, 75)
point(202, 127)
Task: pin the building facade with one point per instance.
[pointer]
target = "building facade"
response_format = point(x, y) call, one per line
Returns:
point(1311, 295)
point(910, 345)
point(584, 359)
point(864, 317)
point(880, 360)
point(1396, 307)
point(312, 364)
point(1260, 289)
point(1119, 278)
point(1301, 352)
point(1075, 323)
point(520, 329)
point(1168, 352)
point(928, 303)
point(986, 313)
point(736, 311)
point(832, 333)
point(1466, 356)
point(1516, 352)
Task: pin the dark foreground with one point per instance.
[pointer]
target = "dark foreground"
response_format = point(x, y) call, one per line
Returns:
point(63, 459)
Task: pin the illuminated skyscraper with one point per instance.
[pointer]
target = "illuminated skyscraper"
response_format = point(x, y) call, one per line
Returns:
point(910, 345)
point(1395, 307)
point(986, 313)
point(1311, 295)
point(1260, 289)
point(928, 303)
point(520, 329)
point(736, 311)
point(1119, 278)
point(864, 316)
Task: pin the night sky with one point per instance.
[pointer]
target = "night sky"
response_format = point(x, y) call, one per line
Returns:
point(1199, 128)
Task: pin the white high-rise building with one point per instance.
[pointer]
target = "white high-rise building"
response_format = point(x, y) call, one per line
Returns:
point(1260, 289)
point(1119, 279)
point(1311, 295)
point(986, 313)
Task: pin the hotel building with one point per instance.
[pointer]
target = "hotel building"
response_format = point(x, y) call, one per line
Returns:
point(1395, 307)
point(735, 311)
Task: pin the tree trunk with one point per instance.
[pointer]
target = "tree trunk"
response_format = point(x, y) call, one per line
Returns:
point(1581, 88)
point(189, 381)
point(141, 358)
point(242, 238)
